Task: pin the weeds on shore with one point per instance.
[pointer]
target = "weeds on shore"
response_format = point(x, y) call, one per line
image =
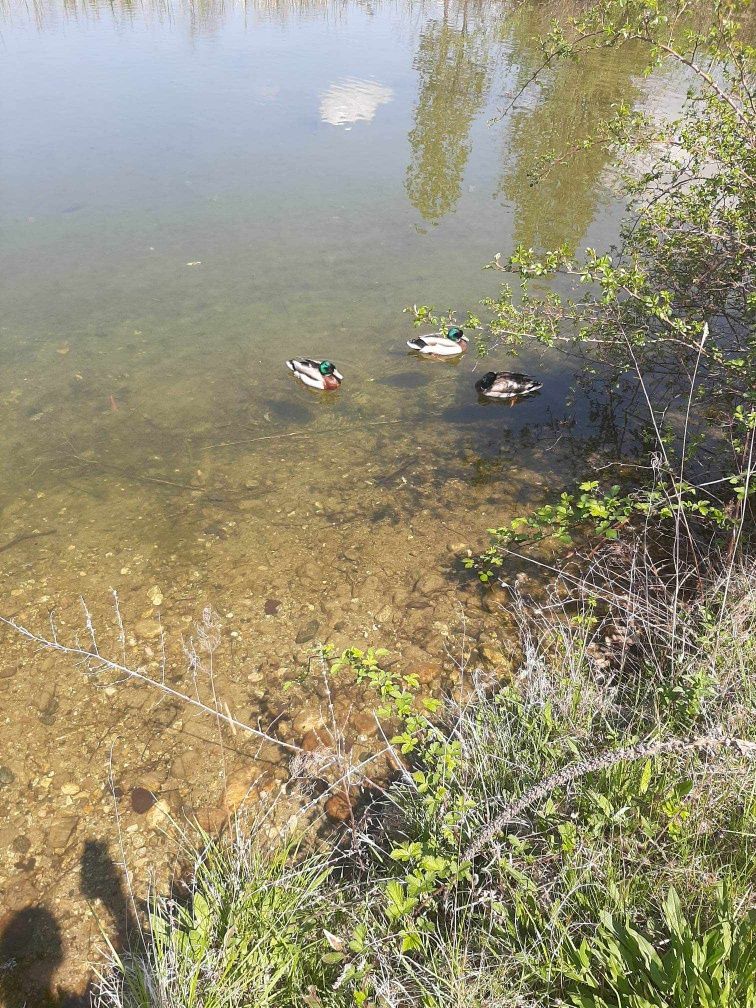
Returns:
point(624, 881)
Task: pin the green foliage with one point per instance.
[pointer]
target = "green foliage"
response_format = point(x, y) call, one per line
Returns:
point(606, 515)
point(251, 932)
point(688, 966)
point(536, 915)
point(688, 246)
point(586, 842)
point(678, 296)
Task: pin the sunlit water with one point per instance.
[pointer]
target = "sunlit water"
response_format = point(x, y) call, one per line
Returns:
point(189, 195)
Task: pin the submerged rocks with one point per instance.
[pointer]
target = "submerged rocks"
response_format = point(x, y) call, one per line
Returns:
point(308, 632)
point(242, 788)
point(364, 723)
point(338, 808)
point(431, 584)
point(495, 658)
point(142, 800)
point(307, 720)
point(148, 628)
point(61, 832)
point(6, 776)
point(315, 739)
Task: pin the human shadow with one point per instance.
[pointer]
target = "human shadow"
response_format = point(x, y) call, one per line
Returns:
point(101, 879)
point(31, 950)
point(31, 941)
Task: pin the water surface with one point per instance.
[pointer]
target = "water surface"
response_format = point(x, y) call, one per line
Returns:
point(188, 195)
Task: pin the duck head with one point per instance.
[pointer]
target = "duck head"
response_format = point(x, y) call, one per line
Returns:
point(456, 334)
point(331, 377)
point(486, 382)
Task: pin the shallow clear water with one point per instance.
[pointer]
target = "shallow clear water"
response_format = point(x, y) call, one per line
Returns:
point(189, 194)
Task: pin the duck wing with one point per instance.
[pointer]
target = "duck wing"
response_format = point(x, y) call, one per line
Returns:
point(305, 366)
point(434, 344)
point(513, 383)
point(439, 341)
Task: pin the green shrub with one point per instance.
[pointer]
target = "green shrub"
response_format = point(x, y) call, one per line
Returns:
point(249, 933)
point(688, 966)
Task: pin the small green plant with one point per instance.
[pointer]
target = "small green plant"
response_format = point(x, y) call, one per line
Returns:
point(604, 515)
point(250, 932)
point(688, 964)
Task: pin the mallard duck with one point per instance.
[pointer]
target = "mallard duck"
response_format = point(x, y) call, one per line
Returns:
point(506, 385)
point(316, 374)
point(454, 343)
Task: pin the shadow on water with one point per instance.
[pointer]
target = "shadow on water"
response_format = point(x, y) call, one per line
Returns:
point(101, 879)
point(31, 939)
point(31, 951)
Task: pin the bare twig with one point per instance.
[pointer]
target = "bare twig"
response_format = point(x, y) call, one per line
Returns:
point(139, 675)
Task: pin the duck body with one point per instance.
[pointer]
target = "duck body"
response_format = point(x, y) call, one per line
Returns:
point(315, 374)
point(436, 345)
point(506, 385)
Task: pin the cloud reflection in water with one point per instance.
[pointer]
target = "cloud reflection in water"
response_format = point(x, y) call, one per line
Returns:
point(351, 100)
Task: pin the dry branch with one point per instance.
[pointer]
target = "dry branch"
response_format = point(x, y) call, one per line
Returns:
point(603, 761)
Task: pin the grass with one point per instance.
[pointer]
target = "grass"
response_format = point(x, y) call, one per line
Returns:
point(640, 872)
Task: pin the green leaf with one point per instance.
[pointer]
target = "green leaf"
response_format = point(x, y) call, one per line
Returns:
point(645, 778)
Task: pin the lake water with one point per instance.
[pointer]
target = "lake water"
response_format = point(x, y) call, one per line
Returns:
point(190, 194)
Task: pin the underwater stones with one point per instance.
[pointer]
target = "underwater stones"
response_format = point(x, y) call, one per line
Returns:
point(61, 832)
point(319, 738)
point(493, 656)
point(271, 607)
point(430, 584)
point(142, 800)
point(241, 789)
point(426, 672)
point(338, 808)
point(491, 604)
point(341, 594)
point(6, 776)
point(46, 703)
point(164, 715)
point(457, 547)
point(308, 632)
point(21, 844)
point(148, 629)
point(364, 723)
point(159, 814)
point(307, 720)
point(184, 765)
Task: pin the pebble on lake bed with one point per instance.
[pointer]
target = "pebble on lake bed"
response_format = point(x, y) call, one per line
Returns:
point(338, 807)
point(142, 800)
point(148, 628)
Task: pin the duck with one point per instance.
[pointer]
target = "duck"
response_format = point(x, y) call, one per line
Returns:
point(316, 374)
point(452, 345)
point(506, 385)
